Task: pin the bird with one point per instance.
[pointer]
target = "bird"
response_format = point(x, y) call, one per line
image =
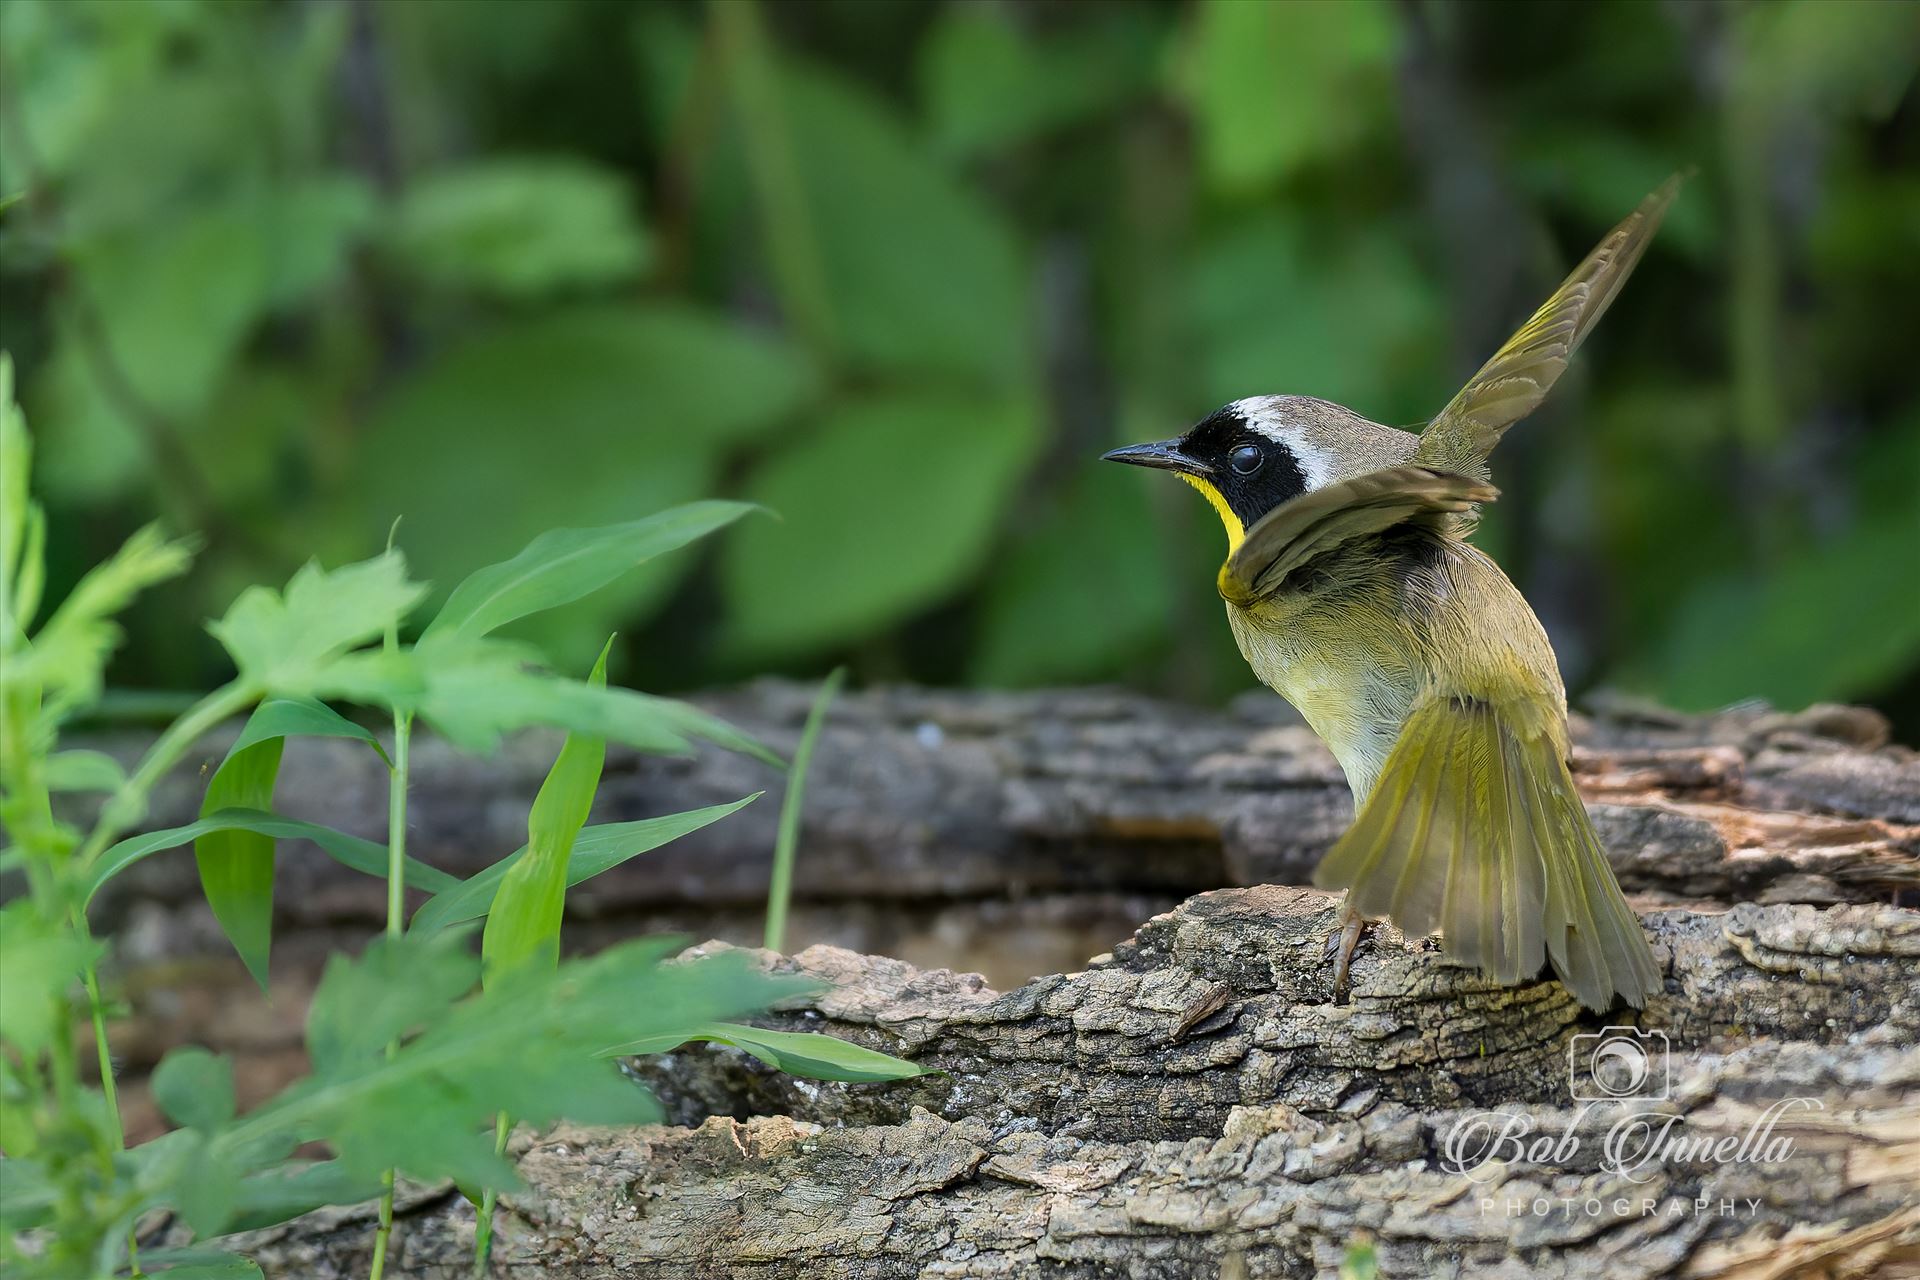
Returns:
point(1354, 591)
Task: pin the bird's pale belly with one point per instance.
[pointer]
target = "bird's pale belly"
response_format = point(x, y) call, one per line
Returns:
point(1355, 696)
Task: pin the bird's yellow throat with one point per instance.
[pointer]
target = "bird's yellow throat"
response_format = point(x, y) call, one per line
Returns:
point(1236, 532)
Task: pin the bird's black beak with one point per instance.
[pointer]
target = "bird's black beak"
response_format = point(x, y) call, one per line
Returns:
point(1163, 455)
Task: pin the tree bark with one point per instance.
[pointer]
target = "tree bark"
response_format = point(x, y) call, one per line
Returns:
point(1197, 1101)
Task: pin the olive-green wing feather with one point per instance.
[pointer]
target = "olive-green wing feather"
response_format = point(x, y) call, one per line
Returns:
point(1317, 521)
point(1475, 829)
point(1513, 383)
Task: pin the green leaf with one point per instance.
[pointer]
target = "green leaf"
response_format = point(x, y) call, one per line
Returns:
point(890, 507)
point(562, 565)
point(284, 717)
point(393, 987)
point(989, 83)
point(523, 924)
point(1085, 591)
point(282, 642)
point(41, 961)
point(1362, 325)
point(922, 275)
point(598, 849)
point(1275, 86)
point(82, 770)
point(642, 399)
point(798, 1053)
point(520, 227)
point(198, 1264)
point(475, 690)
point(523, 1046)
point(1360, 1263)
point(236, 864)
point(70, 653)
point(350, 851)
point(284, 1192)
point(22, 549)
point(194, 1087)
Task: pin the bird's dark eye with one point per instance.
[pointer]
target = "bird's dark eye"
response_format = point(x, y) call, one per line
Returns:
point(1245, 460)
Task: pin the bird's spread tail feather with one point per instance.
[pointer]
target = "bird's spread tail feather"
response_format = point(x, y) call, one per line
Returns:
point(1476, 830)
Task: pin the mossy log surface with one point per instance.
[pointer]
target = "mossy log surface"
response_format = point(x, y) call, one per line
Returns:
point(1196, 1101)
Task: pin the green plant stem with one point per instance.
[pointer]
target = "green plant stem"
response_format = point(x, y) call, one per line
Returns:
point(483, 1230)
point(127, 804)
point(396, 921)
point(780, 889)
point(747, 60)
point(120, 813)
point(97, 1009)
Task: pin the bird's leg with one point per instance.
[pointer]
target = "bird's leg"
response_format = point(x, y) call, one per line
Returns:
point(1350, 924)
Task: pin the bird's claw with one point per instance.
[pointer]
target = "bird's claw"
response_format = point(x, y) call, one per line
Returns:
point(1340, 944)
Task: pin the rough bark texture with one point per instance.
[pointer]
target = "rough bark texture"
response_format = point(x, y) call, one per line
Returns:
point(1196, 1101)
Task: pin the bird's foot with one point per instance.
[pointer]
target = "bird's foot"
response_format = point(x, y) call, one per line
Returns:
point(1340, 944)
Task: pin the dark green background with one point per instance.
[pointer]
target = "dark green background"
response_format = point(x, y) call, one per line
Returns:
point(284, 272)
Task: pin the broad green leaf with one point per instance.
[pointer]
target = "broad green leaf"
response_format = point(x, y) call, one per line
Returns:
point(523, 923)
point(194, 1087)
point(350, 851)
point(284, 1192)
point(1084, 592)
point(921, 275)
point(640, 401)
point(175, 294)
point(524, 1046)
point(1275, 86)
point(988, 82)
point(562, 565)
point(236, 864)
point(519, 227)
point(82, 770)
point(41, 961)
point(598, 849)
point(300, 718)
point(798, 1053)
point(1362, 326)
point(28, 1192)
point(392, 987)
point(282, 642)
point(888, 507)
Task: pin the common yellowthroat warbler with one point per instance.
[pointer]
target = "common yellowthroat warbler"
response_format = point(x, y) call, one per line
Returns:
point(1354, 594)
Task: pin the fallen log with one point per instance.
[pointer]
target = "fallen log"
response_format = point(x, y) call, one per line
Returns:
point(1195, 1100)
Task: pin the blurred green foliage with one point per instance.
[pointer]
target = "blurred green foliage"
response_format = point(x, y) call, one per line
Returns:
point(283, 272)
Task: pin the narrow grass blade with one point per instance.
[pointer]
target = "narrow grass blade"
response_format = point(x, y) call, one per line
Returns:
point(523, 923)
point(563, 565)
point(780, 889)
point(798, 1053)
point(350, 851)
point(598, 849)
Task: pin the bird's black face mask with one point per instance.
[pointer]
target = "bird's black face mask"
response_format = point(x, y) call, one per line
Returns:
point(1243, 472)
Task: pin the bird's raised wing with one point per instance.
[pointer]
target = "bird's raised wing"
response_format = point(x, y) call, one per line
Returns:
point(1317, 521)
point(1513, 383)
